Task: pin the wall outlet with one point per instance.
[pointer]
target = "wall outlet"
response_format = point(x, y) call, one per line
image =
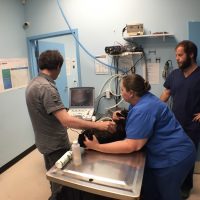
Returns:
point(108, 94)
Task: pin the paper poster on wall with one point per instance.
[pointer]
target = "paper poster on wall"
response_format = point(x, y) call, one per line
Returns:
point(1, 82)
point(13, 73)
point(6, 79)
point(99, 67)
point(68, 66)
point(153, 73)
point(19, 76)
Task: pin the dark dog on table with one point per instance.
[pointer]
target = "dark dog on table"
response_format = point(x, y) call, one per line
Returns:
point(106, 136)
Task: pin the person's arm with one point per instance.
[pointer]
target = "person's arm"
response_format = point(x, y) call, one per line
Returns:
point(122, 146)
point(165, 95)
point(72, 122)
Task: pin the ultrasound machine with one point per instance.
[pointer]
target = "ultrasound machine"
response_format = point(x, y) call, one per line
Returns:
point(81, 102)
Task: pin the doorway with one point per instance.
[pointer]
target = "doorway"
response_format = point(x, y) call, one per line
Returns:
point(64, 42)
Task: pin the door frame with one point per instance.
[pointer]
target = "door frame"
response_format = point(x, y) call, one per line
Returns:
point(31, 50)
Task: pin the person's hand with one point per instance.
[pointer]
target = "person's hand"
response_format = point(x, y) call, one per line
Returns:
point(106, 126)
point(117, 116)
point(91, 144)
point(196, 117)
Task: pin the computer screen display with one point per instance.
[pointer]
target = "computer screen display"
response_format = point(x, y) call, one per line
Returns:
point(82, 97)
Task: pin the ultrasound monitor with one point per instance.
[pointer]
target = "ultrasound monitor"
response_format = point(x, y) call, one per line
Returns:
point(82, 102)
point(82, 97)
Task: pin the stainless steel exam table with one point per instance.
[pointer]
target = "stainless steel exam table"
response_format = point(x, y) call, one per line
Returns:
point(118, 176)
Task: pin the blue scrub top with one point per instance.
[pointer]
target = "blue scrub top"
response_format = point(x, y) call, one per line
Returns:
point(185, 92)
point(167, 142)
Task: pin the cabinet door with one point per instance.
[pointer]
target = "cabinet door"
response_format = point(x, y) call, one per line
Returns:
point(61, 81)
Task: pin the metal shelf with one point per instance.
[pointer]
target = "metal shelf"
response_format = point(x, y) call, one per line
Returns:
point(162, 35)
point(128, 53)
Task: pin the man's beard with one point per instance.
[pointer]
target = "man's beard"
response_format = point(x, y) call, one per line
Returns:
point(186, 64)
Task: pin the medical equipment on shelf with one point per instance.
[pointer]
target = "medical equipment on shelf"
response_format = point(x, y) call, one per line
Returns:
point(135, 29)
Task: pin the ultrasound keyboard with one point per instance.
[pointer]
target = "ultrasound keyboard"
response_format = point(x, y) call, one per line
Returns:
point(82, 113)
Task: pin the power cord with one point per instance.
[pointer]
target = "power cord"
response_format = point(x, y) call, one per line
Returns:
point(132, 69)
point(166, 69)
point(74, 130)
point(98, 104)
point(77, 40)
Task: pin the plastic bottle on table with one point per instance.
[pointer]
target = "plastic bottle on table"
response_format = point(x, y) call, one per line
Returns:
point(76, 153)
point(64, 159)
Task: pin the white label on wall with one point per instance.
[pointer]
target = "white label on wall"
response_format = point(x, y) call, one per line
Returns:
point(153, 73)
point(99, 67)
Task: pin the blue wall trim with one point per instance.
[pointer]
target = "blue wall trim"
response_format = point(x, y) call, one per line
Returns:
point(30, 45)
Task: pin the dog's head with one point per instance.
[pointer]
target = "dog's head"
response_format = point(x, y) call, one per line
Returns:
point(106, 136)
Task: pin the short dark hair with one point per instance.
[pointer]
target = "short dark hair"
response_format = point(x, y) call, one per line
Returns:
point(136, 83)
point(189, 48)
point(50, 59)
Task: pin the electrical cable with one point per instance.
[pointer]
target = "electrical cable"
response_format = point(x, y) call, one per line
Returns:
point(146, 70)
point(80, 44)
point(115, 104)
point(114, 77)
point(166, 69)
point(74, 130)
point(133, 67)
point(101, 90)
point(116, 83)
point(105, 119)
point(88, 53)
point(98, 104)
point(108, 81)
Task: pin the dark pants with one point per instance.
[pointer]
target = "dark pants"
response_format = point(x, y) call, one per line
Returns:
point(188, 182)
point(165, 183)
point(50, 160)
point(74, 194)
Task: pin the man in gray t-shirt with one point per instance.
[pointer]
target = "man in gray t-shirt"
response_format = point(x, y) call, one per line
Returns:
point(50, 135)
point(48, 115)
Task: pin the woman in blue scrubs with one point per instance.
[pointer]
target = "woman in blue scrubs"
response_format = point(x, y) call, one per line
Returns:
point(170, 154)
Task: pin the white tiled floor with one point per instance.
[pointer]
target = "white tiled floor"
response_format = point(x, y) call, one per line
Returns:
point(26, 180)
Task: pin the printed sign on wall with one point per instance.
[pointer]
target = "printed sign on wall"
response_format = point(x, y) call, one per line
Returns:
point(13, 73)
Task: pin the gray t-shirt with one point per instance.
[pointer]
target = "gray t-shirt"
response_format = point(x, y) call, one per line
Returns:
point(42, 99)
